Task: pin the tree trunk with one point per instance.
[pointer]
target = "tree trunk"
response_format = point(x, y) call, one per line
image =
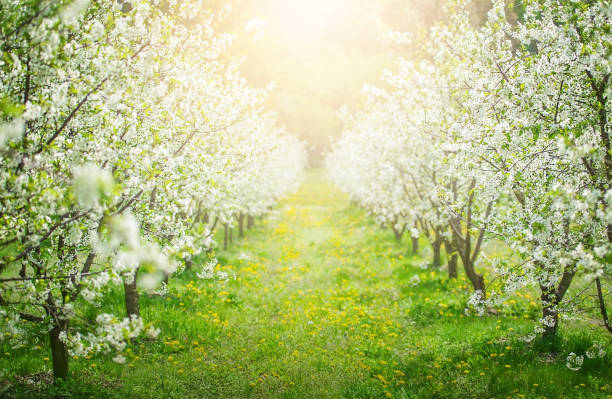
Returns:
point(551, 297)
point(475, 278)
point(188, 264)
point(231, 235)
point(397, 233)
point(241, 225)
point(548, 298)
point(463, 244)
point(452, 266)
point(250, 222)
point(436, 245)
point(225, 236)
point(132, 307)
point(602, 306)
point(415, 245)
point(452, 259)
point(59, 353)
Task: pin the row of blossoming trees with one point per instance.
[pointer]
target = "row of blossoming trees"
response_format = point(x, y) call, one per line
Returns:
point(127, 136)
point(499, 132)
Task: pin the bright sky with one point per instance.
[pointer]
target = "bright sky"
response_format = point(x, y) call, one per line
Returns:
point(320, 53)
point(307, 20)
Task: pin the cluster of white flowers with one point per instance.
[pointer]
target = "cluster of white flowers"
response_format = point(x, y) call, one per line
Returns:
point(596, 351)
point(574, 362)
point(208, 270)
point(110, 334)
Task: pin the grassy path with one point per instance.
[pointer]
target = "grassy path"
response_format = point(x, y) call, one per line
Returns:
point(326, 305)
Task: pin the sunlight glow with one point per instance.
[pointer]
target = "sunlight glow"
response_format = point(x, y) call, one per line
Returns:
point(307, 19)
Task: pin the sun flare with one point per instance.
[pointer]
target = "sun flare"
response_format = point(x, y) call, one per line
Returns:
point(307, 20)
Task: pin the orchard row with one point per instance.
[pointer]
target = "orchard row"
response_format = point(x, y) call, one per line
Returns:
point(127, 136)
point(498, 133)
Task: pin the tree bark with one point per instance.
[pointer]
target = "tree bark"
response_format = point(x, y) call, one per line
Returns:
point(132, 307)
point(59, 352)
point(250, 222)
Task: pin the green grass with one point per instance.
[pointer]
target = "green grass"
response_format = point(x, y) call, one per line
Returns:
point(325, 307)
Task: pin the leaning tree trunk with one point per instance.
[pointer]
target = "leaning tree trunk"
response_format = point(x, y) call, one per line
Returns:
point(602, 306)
point(132, 307)
point(415, 245)
point(59, 352)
